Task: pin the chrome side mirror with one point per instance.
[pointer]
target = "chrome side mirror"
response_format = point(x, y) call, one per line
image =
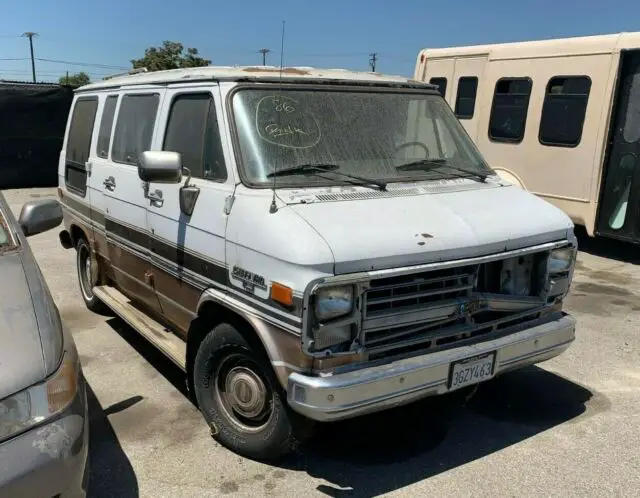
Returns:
point(160, 166)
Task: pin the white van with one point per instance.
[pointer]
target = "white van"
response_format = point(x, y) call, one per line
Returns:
point(307, 245)
point(560, 118)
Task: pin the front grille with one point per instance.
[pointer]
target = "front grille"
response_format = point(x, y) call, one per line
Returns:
point(432, 309)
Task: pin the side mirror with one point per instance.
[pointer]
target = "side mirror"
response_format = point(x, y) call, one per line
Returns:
point(160, 166)
point(40, 216)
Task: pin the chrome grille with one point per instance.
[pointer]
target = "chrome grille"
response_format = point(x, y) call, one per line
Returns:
point(431, 309)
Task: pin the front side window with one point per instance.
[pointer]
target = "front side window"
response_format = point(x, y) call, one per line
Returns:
point(372, 134)
point(134, 127)
point(192, 130)
point(509, 110)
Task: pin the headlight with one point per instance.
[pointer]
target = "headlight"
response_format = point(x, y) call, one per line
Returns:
point(333, 302)
point(40, 402)
point(561, 259)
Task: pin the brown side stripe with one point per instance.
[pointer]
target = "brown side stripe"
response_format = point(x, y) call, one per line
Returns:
point(205, 268)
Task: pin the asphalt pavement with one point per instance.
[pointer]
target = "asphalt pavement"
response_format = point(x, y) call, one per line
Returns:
point(568, 427)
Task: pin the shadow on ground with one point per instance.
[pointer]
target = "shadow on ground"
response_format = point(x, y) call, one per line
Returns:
point(111, 473)
point(387, 451)
point(608, 248)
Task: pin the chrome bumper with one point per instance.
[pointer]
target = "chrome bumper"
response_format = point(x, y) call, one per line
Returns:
point(377, 388)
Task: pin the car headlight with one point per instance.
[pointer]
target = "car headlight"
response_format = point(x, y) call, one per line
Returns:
point(561, 259)
point(333, 302)
point(40, 402)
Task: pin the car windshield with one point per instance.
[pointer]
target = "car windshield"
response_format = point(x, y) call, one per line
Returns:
point(389, 136)
point(4, 233)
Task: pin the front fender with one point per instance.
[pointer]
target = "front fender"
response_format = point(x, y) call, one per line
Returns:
point(282, 344)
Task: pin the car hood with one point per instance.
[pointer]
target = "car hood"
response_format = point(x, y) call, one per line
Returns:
point(21, 356)
point(406, 227)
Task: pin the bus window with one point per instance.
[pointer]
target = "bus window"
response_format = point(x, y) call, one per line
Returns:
point(563, 111)
point(509, 109)
point(441, 83)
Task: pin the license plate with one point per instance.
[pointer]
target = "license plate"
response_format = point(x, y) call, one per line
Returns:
point(471, 371)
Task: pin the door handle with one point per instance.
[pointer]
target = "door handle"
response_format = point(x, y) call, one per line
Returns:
point(156, 198)
point(109, 183)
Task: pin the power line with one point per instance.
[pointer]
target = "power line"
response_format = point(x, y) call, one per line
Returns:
point(15, 59)
point(85, 64)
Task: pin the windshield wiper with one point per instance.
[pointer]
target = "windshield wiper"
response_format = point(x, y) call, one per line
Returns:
point(327, 168)
point(429, 164)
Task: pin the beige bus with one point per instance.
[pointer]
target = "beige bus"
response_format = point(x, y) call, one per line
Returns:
point(561, 118)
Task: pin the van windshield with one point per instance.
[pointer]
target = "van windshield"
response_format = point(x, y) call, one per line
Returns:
point(389, 136)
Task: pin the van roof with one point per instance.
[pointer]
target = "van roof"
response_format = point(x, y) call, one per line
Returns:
point(254, 73)
point(541, 48)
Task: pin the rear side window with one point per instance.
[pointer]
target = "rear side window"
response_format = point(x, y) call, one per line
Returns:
point(509, 110)
point(79, 144)
point(134, 127)
point(563, 111)
point(466, 97)
point(106, 125)
point(192, 130)
point(441, 83)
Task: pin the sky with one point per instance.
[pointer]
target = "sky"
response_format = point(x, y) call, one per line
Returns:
point(105, 36)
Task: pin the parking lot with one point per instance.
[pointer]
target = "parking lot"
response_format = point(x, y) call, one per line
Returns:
point(569, 427)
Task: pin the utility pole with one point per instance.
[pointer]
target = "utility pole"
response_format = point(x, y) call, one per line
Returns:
point(264, 52)
point(373, 57)
point(30, 35)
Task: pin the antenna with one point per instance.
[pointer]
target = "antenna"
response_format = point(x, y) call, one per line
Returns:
point(273, 208)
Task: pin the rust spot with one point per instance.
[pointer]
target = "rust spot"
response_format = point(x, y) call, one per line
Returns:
point(285, 70)
point(421, 243)
point(427, 235)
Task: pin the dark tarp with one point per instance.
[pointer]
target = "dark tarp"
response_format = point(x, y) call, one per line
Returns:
point(33, 118)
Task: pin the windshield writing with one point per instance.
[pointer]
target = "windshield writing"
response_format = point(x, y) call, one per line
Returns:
point(368, 134)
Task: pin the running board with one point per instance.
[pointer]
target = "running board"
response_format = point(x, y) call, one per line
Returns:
point(166, 341)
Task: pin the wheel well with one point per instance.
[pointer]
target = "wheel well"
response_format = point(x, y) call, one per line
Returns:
point(211, 314)
point(76, 234)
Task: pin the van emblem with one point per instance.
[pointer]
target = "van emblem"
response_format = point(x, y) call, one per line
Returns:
point(249, 280)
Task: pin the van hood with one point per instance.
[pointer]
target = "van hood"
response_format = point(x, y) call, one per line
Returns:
point(22, 361)
point(404, 227)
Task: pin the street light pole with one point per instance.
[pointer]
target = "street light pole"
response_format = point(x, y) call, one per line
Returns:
point(264, 52)
point(30, 35)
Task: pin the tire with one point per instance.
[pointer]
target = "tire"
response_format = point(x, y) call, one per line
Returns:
point(88, 278)
point(256, 421)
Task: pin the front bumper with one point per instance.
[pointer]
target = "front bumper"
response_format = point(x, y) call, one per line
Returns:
point(51, 459)
point(371, 389)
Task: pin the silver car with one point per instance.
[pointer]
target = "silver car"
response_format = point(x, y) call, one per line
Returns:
point(43, 401)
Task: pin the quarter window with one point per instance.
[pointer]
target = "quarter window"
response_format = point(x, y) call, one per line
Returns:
point(192, 130)
point(79, 144)
point(563, 111)
point(466, 97)
point(509, 109)
point(441, 83)
point(106, 125)
point(134, 127)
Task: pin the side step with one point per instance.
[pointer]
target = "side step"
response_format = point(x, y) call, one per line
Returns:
point(156, 333)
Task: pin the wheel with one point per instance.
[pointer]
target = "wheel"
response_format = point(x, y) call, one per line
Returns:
point(241, 399)
point(88, 276)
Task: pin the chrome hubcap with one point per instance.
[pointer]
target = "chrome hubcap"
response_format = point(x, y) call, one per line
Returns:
point(247, 392)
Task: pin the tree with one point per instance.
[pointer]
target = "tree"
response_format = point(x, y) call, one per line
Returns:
point(169, 56)
point(78, 79)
